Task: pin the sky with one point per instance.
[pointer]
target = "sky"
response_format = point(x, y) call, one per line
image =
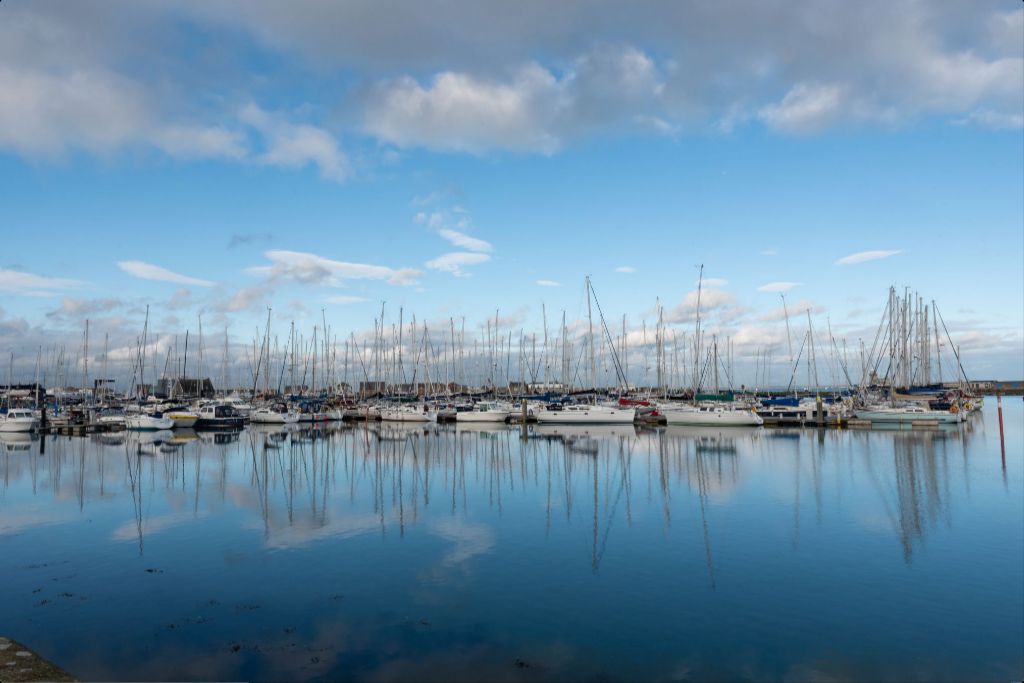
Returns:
point(462, 160)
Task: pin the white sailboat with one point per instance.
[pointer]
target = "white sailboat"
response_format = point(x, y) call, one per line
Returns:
point(141, 422)
point(710, 414)
point(584, 414)
point(486, 411)
point(407, 413)
point(906, 415)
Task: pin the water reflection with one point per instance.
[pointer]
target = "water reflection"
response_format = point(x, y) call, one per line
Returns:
point(390, 547)
point(308, 484)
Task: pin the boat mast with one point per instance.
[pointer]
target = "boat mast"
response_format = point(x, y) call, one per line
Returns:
point(696, 355)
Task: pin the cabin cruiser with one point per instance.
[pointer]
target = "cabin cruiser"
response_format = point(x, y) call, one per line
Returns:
point(557, 413)
point(219, 416)
point(485, 411)
point(242, 409)
point(710, 414)
point(18, 420)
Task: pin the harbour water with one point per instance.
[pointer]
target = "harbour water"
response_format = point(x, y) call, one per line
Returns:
point(576, 553)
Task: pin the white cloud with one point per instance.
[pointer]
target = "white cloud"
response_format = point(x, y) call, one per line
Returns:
point(460, 112)
point(293, 145)
point(312, 269)
point(454, 262)
point(48, 114)
point(461, 239)
point(805, 108)
point(148, 271)
point(31, 284)
point(549, 283)
point(625, 269)
point(531, 109)
point(862, 256)
point(778, 286)
point(711, 301)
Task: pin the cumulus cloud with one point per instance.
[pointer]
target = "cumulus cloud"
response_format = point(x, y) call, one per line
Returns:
point(455, 262)
point(778, 286)
point(863, 256)
point(549, 283)
point(294, 145)
point(712, 301)
point(531, 109)
point(31, 284)
point(148, 271)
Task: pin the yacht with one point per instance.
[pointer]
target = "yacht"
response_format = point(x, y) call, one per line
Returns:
point(584, 414)
point(710, 414)
point(407, 413)
point(279, 415)
point(906, 415)
point(18, 420)
point(219, 416)
point(141, 422)
point(242, 409)
point(485, 411)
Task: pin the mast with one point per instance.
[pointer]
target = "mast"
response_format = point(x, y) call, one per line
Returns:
point(590, 339)
point(696, 355)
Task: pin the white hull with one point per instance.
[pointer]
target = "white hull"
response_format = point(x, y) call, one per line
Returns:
point(269, 417)
point(402, 415)
point(712, 417)
point(585, 415)
point(907, 416)
point(17, 425)
point(148, 423)
point(482, 416)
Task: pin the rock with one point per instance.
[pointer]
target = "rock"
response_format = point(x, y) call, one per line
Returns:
point(23, 653)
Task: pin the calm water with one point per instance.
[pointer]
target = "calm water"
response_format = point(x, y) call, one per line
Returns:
point(403, 553)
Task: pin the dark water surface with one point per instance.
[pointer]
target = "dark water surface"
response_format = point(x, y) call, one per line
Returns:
point(394, 553)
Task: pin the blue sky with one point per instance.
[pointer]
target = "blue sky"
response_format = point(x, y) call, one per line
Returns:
point(454, 161)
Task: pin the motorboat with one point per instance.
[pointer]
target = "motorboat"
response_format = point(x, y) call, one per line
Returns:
point(710, 414)
point(18, 420)
point(219, 416)
point(582, 413)
point(242, 409)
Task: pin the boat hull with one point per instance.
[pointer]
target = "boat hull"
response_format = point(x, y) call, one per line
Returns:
point(723, 418)
point(593, 416)
point(907, 417)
